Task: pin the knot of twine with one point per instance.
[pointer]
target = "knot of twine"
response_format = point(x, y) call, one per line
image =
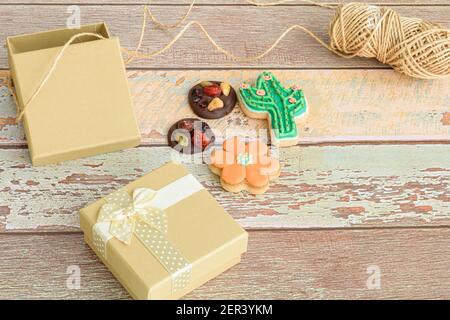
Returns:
point(414, 47)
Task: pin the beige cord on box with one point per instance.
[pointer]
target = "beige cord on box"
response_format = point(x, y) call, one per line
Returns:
point(50, 72)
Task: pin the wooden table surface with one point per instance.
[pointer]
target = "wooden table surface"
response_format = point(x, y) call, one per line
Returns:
point(361, 210)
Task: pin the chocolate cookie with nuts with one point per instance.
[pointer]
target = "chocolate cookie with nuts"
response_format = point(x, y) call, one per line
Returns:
point(190, 136)
point(212, 99)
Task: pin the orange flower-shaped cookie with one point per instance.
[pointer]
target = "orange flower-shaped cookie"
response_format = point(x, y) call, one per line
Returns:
point(244, 166)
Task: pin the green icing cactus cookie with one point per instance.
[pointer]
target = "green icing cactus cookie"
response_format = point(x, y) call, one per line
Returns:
point(269, 99)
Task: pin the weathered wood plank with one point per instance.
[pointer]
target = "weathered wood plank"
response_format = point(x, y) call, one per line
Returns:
point(412, 264)
point(320, 187)
point(344, 105)
point(216, 2)
point(245, 37)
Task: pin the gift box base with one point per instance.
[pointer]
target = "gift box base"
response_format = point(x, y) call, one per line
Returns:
point(195, 284)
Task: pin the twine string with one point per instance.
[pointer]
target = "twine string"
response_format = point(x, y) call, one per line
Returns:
point(165, 26)
point(412, 46)
point(133, 54)
point(50, 71)
point(174, 25)
point(275, 3)
point(136, 54)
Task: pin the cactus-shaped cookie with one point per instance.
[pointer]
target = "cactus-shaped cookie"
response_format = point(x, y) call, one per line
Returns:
point(282, 106)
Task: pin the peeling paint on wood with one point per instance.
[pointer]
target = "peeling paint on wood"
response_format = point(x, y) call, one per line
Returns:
point(344, 105)
point(4, 213)
point(320, 187)
point(10, 132)
point(209, 2)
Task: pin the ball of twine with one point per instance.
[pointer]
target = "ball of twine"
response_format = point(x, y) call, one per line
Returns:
point(412, 46)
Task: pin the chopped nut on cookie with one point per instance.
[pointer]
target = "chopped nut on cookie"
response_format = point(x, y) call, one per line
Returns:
point(215, 103)
point(190, 135)
point(225, 88)
point(182, 140)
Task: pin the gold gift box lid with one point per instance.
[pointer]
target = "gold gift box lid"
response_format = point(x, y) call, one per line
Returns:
point(85, 108)
point(198, 227)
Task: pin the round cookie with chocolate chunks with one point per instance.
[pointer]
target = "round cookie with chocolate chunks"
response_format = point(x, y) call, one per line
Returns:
point(212, 99)
point(190, 135)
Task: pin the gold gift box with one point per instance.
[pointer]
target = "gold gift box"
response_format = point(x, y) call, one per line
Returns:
point(205, 234)
point(85, 107)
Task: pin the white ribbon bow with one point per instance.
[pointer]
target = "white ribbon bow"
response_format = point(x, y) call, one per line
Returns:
point(122, 212)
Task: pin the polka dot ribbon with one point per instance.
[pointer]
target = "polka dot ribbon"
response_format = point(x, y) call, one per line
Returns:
point(143, 216)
